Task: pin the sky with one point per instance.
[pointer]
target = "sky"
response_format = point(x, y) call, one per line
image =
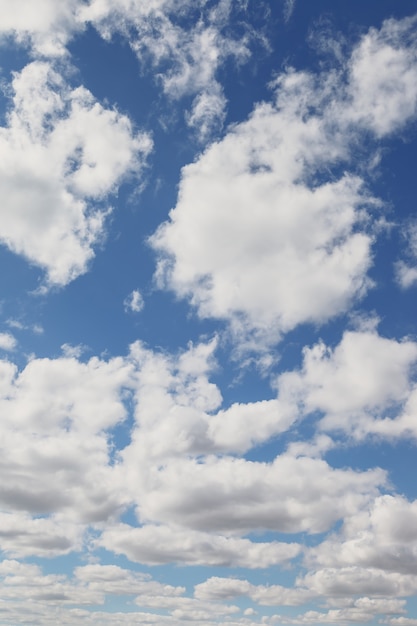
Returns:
point(208, 346)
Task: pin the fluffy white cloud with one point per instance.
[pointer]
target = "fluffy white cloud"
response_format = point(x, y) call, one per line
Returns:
point(290, 244)
point(155, 545)
point(22, 535)
point(383, 77)
point(236, 496)
point(216, 588)
point(383, 537)
point(112, 579)
point(356, 385)
point(7, 341)
point(361, 612)
point(60, 150)
point(46, 25)
point(55, 416)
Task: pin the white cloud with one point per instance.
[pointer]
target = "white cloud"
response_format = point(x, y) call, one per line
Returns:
point(59, 151)
point(134, 302)
point(360, 386)
point(22, 535)
point(185, 60)
point(7, 341)
point(290, 243)
point(115, 580)
point(230, 495)
point(156, 545)
point(217, 588)
point(46, 25)
point(406, 272)
point(56, 413)
point(383, 77)
point(383, 538)
point(363, 611)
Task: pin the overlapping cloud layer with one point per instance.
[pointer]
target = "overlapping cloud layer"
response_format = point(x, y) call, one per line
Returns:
point(273, 228)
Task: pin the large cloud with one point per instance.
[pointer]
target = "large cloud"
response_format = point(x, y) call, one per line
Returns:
point(260, 236)
point(60, 151)
point(158, 544)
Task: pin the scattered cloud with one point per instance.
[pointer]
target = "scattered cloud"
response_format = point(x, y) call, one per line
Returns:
point(406, 271)
point(7, 342)
point(134, 302)
point(362, 387)
point(289, 6)
point(289, 249)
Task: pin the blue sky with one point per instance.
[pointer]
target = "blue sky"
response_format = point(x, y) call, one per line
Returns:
point(208, 350)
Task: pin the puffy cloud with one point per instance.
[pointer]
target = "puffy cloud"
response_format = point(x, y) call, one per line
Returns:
point(7, 341)
point(155, 545)
point(178, 408)
point(46, 26)
point(216, 588)
point(288, 246)
point(115, 580)
point(230, 495)
point(383, 77)
point(382, 537)
point(22, 535)
point(356, 385)
point(55, 414)
point(362, 611)
point(60, 150)
point(354, 580)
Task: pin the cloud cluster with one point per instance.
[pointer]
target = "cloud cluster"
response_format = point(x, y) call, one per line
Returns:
point(186, 43)
point(273, 228)
point(291, 240)
point(62, 154)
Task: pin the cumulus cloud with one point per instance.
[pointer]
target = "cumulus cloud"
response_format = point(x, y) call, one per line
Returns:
point(363, 386)
point(217, 588)
point(290, 241)
point(56, 414)
point(45, 26)
point(381, 538)
point(60, 151)
point(230, 495)
point(383, 77)
point(7, 342)
point(22, 535)
point(158, 544)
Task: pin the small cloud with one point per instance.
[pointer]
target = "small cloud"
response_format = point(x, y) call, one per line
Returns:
point(7, 342)
point(72, 352)
point(288, 9)
point(249, 612)
point(18, 325)
point(134, 302)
